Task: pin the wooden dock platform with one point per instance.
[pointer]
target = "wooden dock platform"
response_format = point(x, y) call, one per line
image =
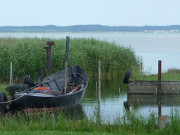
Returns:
point(153, 87)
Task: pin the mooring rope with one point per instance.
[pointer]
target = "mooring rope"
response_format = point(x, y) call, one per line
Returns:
point(11, 100)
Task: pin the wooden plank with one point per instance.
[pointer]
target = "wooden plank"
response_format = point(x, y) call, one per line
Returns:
point(154, 87)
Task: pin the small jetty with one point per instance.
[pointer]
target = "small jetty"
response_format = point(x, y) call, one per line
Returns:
point(151, 87)
point(147, 93)
point(154, 87)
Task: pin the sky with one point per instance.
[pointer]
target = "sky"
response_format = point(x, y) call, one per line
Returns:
point(84, 12)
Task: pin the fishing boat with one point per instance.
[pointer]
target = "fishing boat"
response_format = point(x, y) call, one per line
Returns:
point(51, 92)
point(65, 88)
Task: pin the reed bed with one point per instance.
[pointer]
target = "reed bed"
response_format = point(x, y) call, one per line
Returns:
point(28, 54)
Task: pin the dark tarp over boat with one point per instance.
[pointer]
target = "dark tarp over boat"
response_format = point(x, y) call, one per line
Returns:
point(77, 80)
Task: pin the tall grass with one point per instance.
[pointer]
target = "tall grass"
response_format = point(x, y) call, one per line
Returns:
point(129, 124)
point(28, 54)
point(170, 75)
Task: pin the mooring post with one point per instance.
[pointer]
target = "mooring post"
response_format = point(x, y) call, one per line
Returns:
point(159, 77)
point(40, 75)
point(99, 90)
point(48, 56)
point(163, 120)
point(159, 109)
point(66, 64)
point(11, 74)
point(159, 70)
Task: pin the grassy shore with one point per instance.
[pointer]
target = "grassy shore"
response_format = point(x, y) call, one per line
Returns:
point(170, 75)
point(28, 54)
point(44, 123)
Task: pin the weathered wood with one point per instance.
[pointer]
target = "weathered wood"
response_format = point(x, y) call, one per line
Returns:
point(159, 70)
point(163, 121)
point(99, 89)
point(159, 109)
point(11, 74)
point(154, 87)
point(66, 64)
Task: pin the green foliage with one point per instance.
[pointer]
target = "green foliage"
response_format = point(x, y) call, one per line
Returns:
point(28, 54)
point(60, 122)
point(169, 76)
point(139, 124)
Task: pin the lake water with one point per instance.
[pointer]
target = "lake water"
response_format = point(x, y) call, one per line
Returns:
point(150, 46)
point(114, 94)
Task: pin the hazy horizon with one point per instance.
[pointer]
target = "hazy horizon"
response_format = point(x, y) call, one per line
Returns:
point(84, 25)
point(84, 12)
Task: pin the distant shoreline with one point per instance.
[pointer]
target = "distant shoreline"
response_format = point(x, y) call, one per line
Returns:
point(91, 28)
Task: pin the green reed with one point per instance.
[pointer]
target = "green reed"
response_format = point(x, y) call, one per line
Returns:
point(60, 122)
point(28, 54)
point(170, 75)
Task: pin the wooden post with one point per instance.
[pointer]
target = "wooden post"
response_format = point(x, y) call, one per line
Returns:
point(159, 76)
point(48, 56)
point(11, 74)
point(66, 64)
point(159, 109)
point(159, 70)
point(99, 89)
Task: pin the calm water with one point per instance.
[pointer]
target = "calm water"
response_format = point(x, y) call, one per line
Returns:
point(151, 47)
point(114, 94)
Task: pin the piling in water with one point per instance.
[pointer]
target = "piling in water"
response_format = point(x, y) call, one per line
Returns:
point(99, 89)
point(159, 70)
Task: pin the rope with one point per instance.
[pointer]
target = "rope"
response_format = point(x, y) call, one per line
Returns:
point(11, 100)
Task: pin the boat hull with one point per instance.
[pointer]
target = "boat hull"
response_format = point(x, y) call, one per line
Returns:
point(29, 99)
point(32, 101)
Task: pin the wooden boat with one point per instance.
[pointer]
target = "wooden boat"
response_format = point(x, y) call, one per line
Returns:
point(53, 94)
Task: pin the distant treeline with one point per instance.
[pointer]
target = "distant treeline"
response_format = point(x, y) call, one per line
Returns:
point(88, 28)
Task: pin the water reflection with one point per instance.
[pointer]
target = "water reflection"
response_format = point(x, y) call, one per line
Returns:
point(146, 104)
point(74, 113)
point(148, 100)
point(114, 94)
point(109, 88)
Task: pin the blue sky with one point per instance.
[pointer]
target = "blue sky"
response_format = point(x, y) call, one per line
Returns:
point(82, 12)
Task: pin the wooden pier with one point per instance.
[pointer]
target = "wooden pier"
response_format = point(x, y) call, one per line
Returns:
point(154, 87)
